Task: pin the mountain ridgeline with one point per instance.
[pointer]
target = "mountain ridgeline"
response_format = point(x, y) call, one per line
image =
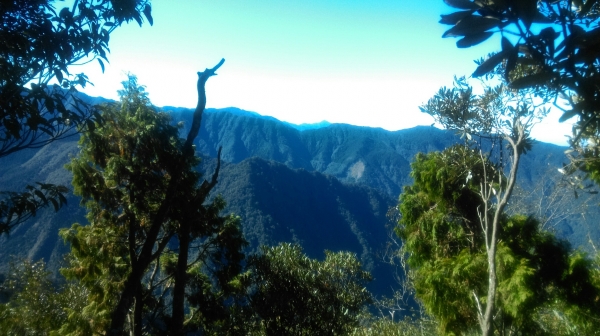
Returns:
point(330, 186)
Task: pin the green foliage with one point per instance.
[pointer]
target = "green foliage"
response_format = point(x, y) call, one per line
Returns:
point(443, 202)
point(41, 44)
point(98, 263)
point(386, 327)
point(296, 295)
point(447, 253)
point(35, 306)
point(498, 116)
point(498, 113)
point(44, 43)
point(121, 177)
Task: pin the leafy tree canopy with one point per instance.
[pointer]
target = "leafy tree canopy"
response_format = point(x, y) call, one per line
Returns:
point(446, 250)
point(35, 306)
point(296, 295)
point(41, 42)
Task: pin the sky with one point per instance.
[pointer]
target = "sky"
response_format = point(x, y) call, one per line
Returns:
point(365, 63)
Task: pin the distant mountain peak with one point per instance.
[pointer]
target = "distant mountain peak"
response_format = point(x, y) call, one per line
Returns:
point(305, 126)
point(241, 112)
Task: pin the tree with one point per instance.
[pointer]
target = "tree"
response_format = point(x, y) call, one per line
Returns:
point(38, 45)
point(558, 42)
point(448, 252)
point(499, 116)
point(137, 179)
point(296, 295)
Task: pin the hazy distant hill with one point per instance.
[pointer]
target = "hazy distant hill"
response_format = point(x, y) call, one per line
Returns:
point(327, 186)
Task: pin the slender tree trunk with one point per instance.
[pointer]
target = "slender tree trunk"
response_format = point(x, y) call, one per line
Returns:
point(137, 312)
point(178, 312)
point(488, 317)
point(487, 320)
point(180, 278)
point(126, 300)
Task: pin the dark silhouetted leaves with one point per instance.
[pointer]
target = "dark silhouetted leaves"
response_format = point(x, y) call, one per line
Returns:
point(559, 60)
point(16, 208)
point(148, 14)
point(41, 44)
point(568, 115)
point(101, 64)
point(452, 19)
point(489, 64)
point(472, 25)
point(471, 40)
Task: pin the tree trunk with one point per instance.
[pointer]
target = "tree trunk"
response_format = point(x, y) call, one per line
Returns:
point(125, 301)
point(487, 320)
point(178, 312)
point(138, 309)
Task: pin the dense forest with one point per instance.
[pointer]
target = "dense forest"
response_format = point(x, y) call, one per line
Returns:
point(197, 222)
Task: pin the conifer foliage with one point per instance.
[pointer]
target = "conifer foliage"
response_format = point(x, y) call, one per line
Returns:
point(152, 233)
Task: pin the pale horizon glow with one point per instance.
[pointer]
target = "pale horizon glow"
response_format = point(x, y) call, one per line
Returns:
point(357, 62)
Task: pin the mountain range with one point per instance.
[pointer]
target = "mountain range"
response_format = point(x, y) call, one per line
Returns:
point(325, 186)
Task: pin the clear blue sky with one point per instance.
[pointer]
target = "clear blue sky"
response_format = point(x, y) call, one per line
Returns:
point(367, 63)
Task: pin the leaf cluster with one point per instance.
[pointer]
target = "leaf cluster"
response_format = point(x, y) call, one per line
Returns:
point(496, 114)
point(296, 295)
point(17, 207)
point(440, 211)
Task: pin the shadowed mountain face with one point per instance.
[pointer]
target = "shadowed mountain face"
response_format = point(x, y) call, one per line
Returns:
point(317, 211)
point(326, 188)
